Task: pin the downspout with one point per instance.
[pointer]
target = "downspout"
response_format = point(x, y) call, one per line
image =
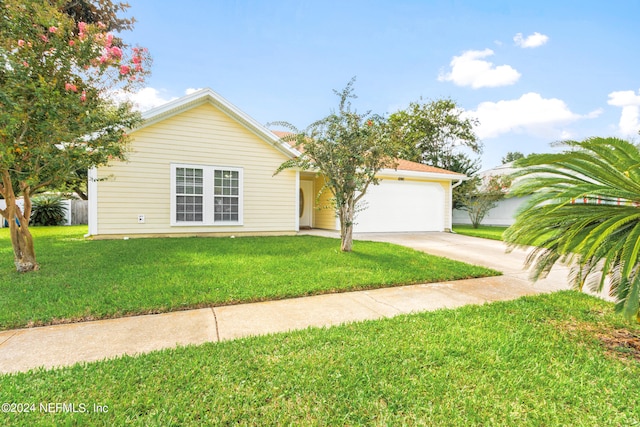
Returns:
point(297, 209)
point(450, 230)
point(92, 190)
point(457, 183)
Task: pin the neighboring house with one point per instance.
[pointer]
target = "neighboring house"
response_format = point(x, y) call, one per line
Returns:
point(504, 213)
point(200, 166)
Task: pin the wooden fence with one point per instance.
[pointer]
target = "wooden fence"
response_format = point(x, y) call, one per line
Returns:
point(77, 212)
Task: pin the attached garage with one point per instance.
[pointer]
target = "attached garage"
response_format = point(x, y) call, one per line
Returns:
point(396, 206)
point(413, 197)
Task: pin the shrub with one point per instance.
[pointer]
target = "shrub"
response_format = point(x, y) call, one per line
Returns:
point(48, 210)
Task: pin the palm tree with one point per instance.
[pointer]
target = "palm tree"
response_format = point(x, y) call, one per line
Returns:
point(584, 211)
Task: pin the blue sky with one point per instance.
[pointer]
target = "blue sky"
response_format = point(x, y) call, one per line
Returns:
point(532, 72)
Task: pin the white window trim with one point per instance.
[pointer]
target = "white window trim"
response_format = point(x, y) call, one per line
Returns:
point(208, 196)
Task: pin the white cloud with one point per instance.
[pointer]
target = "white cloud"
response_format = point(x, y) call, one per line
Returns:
point(470, 69)
point(531, 113)
point(147, 98)
point(534, 40)
point(629, 123)
point(144, 99)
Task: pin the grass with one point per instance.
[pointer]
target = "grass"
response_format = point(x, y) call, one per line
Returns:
point(83, 279)
point(531, 362)
point(484, 231)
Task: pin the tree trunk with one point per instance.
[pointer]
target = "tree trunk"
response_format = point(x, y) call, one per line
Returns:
point(346, 226)
point(24, 255)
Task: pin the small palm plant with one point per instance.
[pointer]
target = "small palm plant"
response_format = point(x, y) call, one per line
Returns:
point(48, 210)
point(584, 211)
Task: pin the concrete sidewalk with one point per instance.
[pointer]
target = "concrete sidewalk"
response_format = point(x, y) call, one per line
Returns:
point(63, 345)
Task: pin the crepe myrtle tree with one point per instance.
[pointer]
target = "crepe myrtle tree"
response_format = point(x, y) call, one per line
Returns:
point(348, 148)
point(56, 115)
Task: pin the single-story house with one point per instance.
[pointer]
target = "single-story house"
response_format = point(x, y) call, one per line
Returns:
point(200, 166)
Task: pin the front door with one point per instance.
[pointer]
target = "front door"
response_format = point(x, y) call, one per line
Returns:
point(306, 204)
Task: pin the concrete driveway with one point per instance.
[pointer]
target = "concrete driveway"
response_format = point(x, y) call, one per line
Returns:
point(472, 250)
point(484, 252)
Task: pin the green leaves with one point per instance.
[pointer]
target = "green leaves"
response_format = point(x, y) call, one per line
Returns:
point(478, 196)
point(430, 132)
point(56, 114)
point(583, 209)
point(348, 148)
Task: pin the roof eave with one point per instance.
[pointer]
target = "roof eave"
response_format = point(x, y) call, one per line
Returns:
point(420, 174)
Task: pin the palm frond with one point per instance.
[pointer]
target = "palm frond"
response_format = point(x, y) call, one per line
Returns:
point(583, 209)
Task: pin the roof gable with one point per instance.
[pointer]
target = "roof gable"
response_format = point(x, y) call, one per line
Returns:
point(207, 95)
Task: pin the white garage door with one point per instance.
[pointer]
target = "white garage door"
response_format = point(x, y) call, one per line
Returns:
point(402, 206)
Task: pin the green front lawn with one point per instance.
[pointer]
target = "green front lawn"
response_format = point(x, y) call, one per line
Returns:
point(85, 279)
point(484, 231)
point(549, 360)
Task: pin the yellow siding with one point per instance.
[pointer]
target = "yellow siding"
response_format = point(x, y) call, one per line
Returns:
point(325, 214)
point(203, 135)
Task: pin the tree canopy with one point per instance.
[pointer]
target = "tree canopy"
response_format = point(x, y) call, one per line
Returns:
point(434, 133)
point(512, 156)
point(56, 113)
point(479, 195)
point(347, 148)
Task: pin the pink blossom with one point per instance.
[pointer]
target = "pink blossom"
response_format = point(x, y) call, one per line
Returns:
point(82, 27)
point(44, 38)
point(20, 42)
point(124, 70)
point(25, 63)
point(103, 59)
point(71, 42)
point(109, 40)
point(138, 67)
point(70, 87)
point(101, 25)
point(116, 52)
point(83, 96)
point(53, 29)
point(137, 60)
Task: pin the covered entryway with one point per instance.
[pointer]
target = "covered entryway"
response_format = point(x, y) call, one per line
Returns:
point(305, 208)
point(397, 206)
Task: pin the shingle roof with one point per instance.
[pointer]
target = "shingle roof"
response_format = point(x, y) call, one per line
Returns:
point(406, 165)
